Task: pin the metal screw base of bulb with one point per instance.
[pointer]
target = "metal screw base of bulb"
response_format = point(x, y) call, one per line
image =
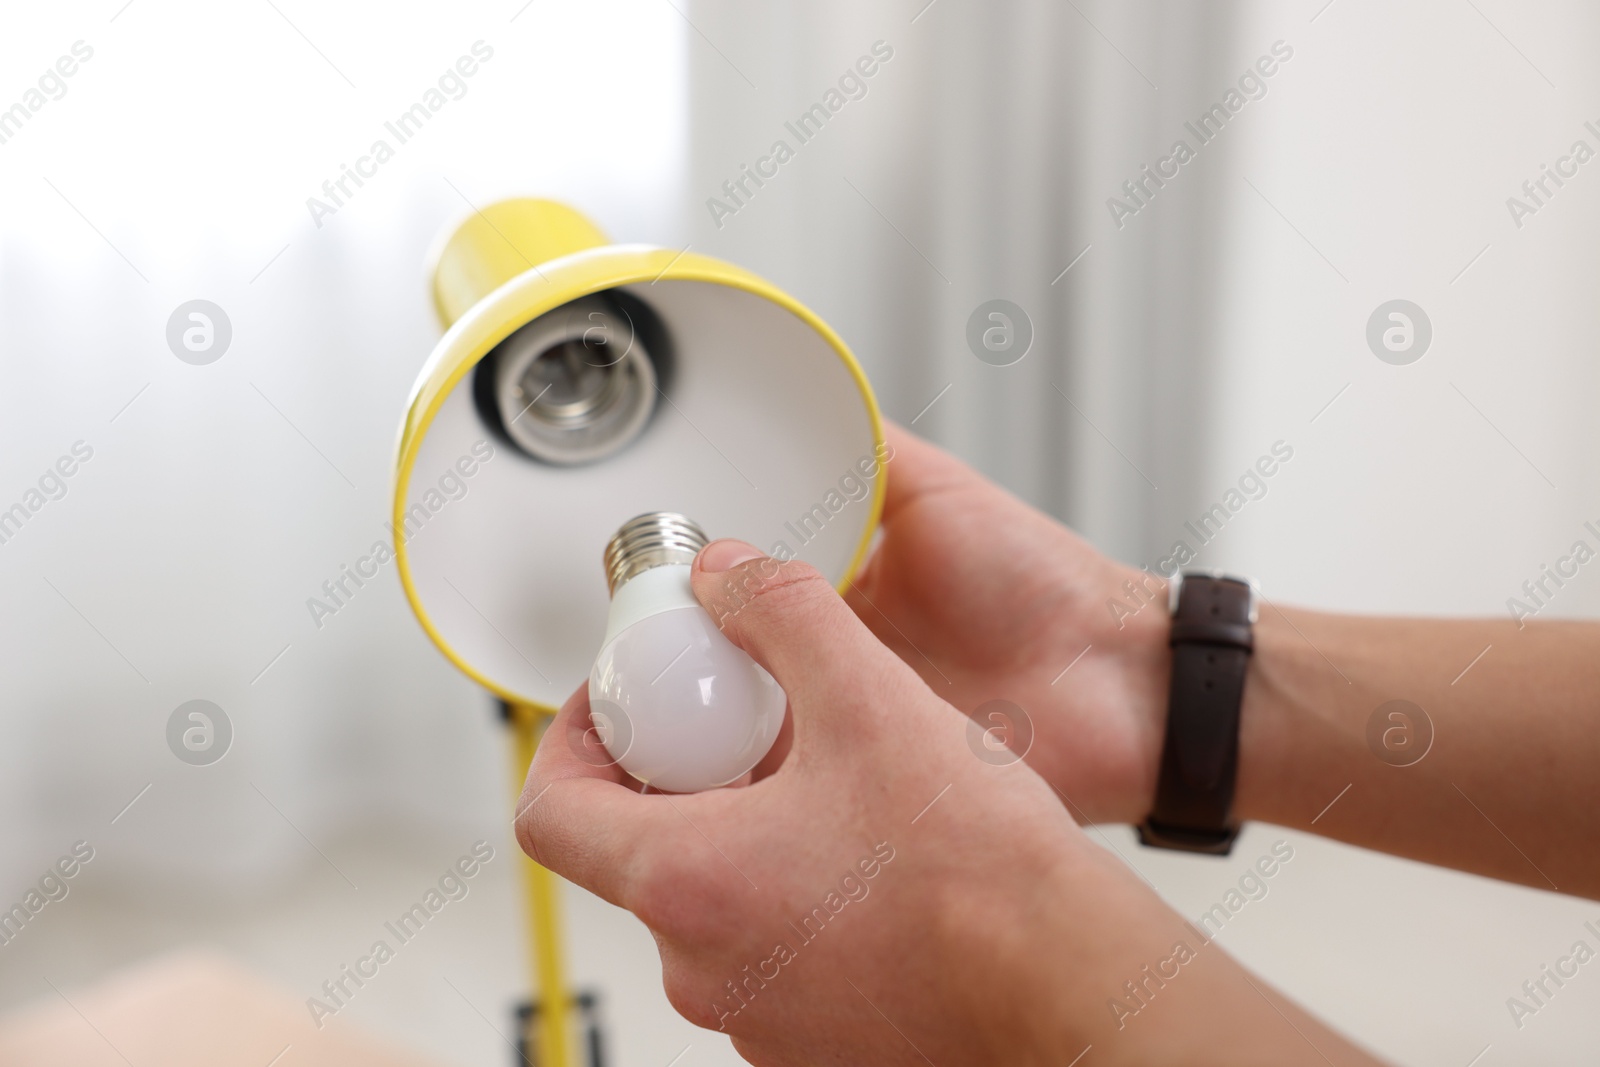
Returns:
point(654, 539)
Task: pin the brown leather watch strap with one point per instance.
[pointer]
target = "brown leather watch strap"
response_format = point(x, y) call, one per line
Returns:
point(1211, 645)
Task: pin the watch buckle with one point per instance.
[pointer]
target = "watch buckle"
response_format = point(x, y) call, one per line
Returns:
point(1175, 587)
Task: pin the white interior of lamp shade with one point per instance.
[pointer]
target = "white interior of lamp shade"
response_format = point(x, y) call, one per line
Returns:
point(762, 435)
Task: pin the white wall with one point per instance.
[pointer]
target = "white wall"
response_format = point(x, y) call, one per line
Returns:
point(190, 542)
point(219, 500)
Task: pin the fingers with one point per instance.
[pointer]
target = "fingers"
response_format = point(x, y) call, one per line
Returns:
point(792, 622)
point(581, 815)
point(917, 469)
point(583, 742)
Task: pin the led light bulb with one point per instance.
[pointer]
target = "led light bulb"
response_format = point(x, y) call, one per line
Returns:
point(676, 703)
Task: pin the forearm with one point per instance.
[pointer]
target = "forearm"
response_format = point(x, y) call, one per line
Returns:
point(1101, 961)
point(1509, 785)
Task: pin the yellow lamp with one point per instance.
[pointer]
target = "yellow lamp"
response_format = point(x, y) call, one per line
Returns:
point(579, 384)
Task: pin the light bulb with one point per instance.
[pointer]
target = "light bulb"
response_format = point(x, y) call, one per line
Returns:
point(676, 704)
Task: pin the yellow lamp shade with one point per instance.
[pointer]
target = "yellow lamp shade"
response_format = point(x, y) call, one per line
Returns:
point(748, 414)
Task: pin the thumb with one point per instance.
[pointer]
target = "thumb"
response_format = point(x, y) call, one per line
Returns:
point(791, 621)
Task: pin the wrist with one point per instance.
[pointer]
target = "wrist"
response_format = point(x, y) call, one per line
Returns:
point(1137, 645)
point(1079, 903)
point(1119, 937)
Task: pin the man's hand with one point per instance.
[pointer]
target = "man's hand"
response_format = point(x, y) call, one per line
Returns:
point(989, 599)
point(833, 911)
point(879, 894)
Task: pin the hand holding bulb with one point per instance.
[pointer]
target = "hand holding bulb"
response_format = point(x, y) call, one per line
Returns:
point(947, 890)
point(676, 704)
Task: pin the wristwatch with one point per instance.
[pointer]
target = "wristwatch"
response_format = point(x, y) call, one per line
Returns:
point(1212, 620)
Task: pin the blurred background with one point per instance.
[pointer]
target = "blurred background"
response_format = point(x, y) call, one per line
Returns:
point(1175, 338)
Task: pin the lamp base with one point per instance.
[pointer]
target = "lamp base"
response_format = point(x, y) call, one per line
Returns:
point(587, 1005)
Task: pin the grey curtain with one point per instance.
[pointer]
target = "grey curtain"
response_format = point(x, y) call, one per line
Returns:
point(977, 166)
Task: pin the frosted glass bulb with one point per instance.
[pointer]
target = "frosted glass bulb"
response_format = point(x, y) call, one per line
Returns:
point(675, 703)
